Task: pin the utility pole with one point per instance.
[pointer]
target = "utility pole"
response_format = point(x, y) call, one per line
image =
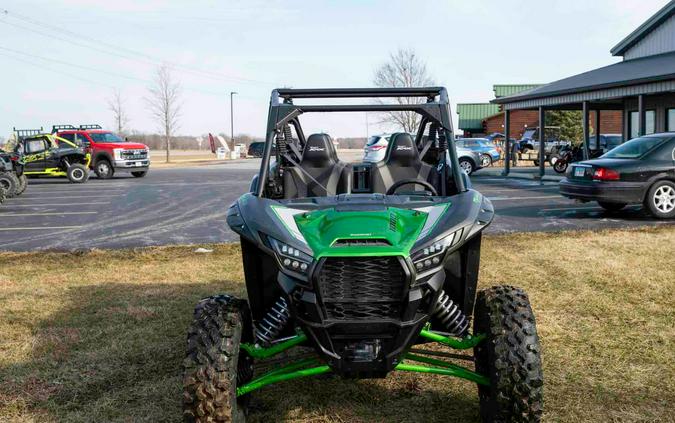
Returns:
point(232, 93)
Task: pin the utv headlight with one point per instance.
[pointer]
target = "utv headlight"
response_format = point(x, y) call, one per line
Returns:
point(290, 258)
point(431, 256)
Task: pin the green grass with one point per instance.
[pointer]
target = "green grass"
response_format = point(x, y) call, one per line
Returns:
point(100, 336)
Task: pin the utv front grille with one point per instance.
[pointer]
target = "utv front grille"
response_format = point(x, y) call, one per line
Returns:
point(362, 288)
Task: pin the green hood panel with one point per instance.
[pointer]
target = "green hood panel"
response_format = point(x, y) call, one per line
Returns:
point(328, 232)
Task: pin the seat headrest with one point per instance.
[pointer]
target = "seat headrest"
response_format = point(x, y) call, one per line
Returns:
point(319, 151)
point(402, 150)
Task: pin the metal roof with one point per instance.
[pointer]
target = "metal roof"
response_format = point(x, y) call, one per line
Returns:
point(657, 19)
point(503, 90)
point(471, 115)
point(629, 72)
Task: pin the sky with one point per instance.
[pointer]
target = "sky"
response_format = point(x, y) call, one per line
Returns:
point(61, 60)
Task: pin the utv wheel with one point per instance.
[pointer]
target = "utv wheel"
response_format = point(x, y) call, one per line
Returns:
point(509, 356)
point(660, 200)
point(611, 206)
point(23, 184)
point(139, 174)
point(214, 365)
point(104, 169)
point(10, 183)
point(466, 165)
point(78, 173)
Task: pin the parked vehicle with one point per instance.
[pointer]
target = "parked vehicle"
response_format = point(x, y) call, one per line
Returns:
point(109, 152)
point(530, 140)
point(361, 278)
point(12, 179)
point(607, 142)
point(469, 160)
point(375, 148)
point(486, 148)
point(641, 170)
point(50, 155)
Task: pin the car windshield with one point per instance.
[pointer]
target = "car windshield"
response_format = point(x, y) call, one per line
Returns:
point(105, 137)
point(635, 148)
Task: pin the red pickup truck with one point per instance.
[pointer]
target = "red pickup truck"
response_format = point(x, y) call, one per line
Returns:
point(110, 153)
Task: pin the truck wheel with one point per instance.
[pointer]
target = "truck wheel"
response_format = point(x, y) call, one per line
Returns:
point(2, 194)
point(509, 356)
point(10, 183)
point(660, 200)
point(78, 173)
point(104, 169)
point(23, 184)
point(611, 206)
point(139, 174)
point(214, 365)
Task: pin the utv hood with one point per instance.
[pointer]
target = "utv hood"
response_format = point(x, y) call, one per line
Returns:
point(390, 231)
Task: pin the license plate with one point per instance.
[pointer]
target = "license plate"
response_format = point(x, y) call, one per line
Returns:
point(579, 171)
point(139, 164)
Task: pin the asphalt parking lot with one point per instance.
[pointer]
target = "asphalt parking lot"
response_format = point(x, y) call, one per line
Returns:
point(189, 205)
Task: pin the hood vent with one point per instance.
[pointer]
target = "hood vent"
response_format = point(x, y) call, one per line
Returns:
point(392, 222)
point(372, 242)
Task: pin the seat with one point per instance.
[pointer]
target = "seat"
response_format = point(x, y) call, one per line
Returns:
point(402, 161)
point(320, 164)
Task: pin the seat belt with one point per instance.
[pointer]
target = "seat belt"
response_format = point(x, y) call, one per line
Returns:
point(303, 171)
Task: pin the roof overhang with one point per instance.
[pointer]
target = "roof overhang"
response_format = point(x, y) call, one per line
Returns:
point(640, 32)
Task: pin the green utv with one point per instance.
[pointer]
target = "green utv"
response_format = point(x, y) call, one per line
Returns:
point(363, 264)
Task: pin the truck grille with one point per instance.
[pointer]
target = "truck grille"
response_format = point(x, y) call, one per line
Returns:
point(362, 288)
point(134, 154)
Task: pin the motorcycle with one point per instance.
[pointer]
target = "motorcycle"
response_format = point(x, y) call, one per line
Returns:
point(568, 155)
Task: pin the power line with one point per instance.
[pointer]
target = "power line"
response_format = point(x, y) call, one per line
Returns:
point(126, 53)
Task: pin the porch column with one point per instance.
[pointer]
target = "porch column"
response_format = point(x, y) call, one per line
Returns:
point(597, 128)
point(641, 115)
point(542, 142)
point(507, 142)
point(587, 135)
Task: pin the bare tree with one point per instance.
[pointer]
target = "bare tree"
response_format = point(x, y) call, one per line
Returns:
point(403, 70)
point(164, 103)
point(116, 105)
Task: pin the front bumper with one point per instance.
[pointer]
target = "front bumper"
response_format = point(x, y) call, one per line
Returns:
point(132, 165)
point(605, 191)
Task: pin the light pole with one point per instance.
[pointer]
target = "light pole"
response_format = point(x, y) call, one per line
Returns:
point(232, 93)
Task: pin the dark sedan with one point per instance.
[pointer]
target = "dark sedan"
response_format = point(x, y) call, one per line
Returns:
point(641, 170)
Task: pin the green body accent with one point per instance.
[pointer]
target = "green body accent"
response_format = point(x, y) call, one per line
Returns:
point(442, 368)
point(313, 367)
point(399, 227)
point(260, 352)
point(463, 344)
point(281, 375)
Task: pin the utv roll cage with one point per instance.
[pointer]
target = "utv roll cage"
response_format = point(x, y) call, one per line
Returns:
point(435, 113)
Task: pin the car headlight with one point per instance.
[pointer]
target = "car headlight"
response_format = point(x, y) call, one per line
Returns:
point(431, 256)
point(118, 153)
point(290, 258)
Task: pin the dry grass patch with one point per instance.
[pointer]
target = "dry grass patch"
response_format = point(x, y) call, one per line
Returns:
point(99, 336)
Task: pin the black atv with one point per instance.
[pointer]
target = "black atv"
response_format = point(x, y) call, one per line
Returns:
point(50, 155)
point(12, 179)
point(363, 263)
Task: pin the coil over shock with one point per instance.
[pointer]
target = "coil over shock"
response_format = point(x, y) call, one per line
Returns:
point(269, 328)
point(447, 312)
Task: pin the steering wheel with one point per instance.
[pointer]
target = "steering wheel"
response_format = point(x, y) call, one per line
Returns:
point(392, 189)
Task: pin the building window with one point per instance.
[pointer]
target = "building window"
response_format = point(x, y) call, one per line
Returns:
point(670, 123)
point(650, 123)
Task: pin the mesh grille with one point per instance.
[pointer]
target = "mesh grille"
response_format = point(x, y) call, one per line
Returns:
point(362, 288)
